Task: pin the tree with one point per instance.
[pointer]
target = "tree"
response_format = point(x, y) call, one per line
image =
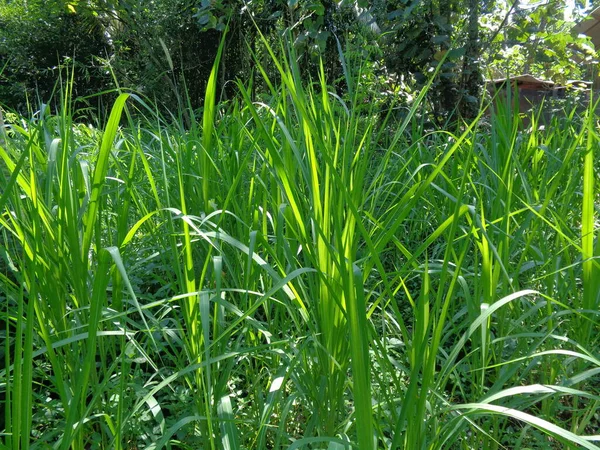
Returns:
point(158, 48)
point(471, 79)
point(420, 35)
point(314, 29)
point(165, 49)
point(536, 38)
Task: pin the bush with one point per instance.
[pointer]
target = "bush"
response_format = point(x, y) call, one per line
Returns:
point(41, 37)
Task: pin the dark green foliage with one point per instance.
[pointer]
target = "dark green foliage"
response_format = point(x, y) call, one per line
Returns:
point(165, 49)
point(313, 30)
point(38, 39)
point(423, 34)
point(160, 50)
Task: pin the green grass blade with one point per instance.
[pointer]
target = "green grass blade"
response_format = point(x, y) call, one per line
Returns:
point(97, 303)
point(100, 173)
point(208, 155)
point(563, 435)
point(591, 266)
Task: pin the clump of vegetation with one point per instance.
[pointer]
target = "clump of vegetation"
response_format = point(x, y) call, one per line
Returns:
point(295, 225)
point(298, 272)
point(166, 49)
point(38, 39)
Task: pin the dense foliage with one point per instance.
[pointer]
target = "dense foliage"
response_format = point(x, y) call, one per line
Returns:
point(258, 225)
point(298, 273)
point(538, 40)
point(166, 48)
point(38, 38)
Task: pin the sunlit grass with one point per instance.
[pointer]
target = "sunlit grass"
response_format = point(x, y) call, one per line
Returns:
point(298, 273)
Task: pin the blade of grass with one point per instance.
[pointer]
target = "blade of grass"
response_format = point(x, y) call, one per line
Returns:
point(100, 174)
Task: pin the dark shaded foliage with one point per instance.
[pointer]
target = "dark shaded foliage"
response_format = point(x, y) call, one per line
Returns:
point(38, 41)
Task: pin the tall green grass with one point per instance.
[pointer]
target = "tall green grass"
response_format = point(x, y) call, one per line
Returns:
point(298, 272)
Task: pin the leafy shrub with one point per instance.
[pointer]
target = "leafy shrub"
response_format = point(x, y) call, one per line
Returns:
point(39, 38)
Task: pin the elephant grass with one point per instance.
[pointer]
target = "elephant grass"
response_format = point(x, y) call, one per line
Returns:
point(299, 272)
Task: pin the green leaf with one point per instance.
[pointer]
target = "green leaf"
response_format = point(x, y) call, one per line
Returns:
point(100, 172)
point(317, 8)
point(456, 53)
point(440, 39)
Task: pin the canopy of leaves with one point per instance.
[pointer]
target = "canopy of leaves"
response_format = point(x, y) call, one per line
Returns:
point(536, 39)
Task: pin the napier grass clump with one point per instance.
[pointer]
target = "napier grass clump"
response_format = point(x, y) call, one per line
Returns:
point(298, 273)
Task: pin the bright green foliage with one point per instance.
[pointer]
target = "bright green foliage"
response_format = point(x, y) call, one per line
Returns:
point(537, 39)
point(298, 272)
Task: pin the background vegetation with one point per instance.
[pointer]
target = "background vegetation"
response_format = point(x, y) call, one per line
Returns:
point(164, 48)
point(286, 225)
